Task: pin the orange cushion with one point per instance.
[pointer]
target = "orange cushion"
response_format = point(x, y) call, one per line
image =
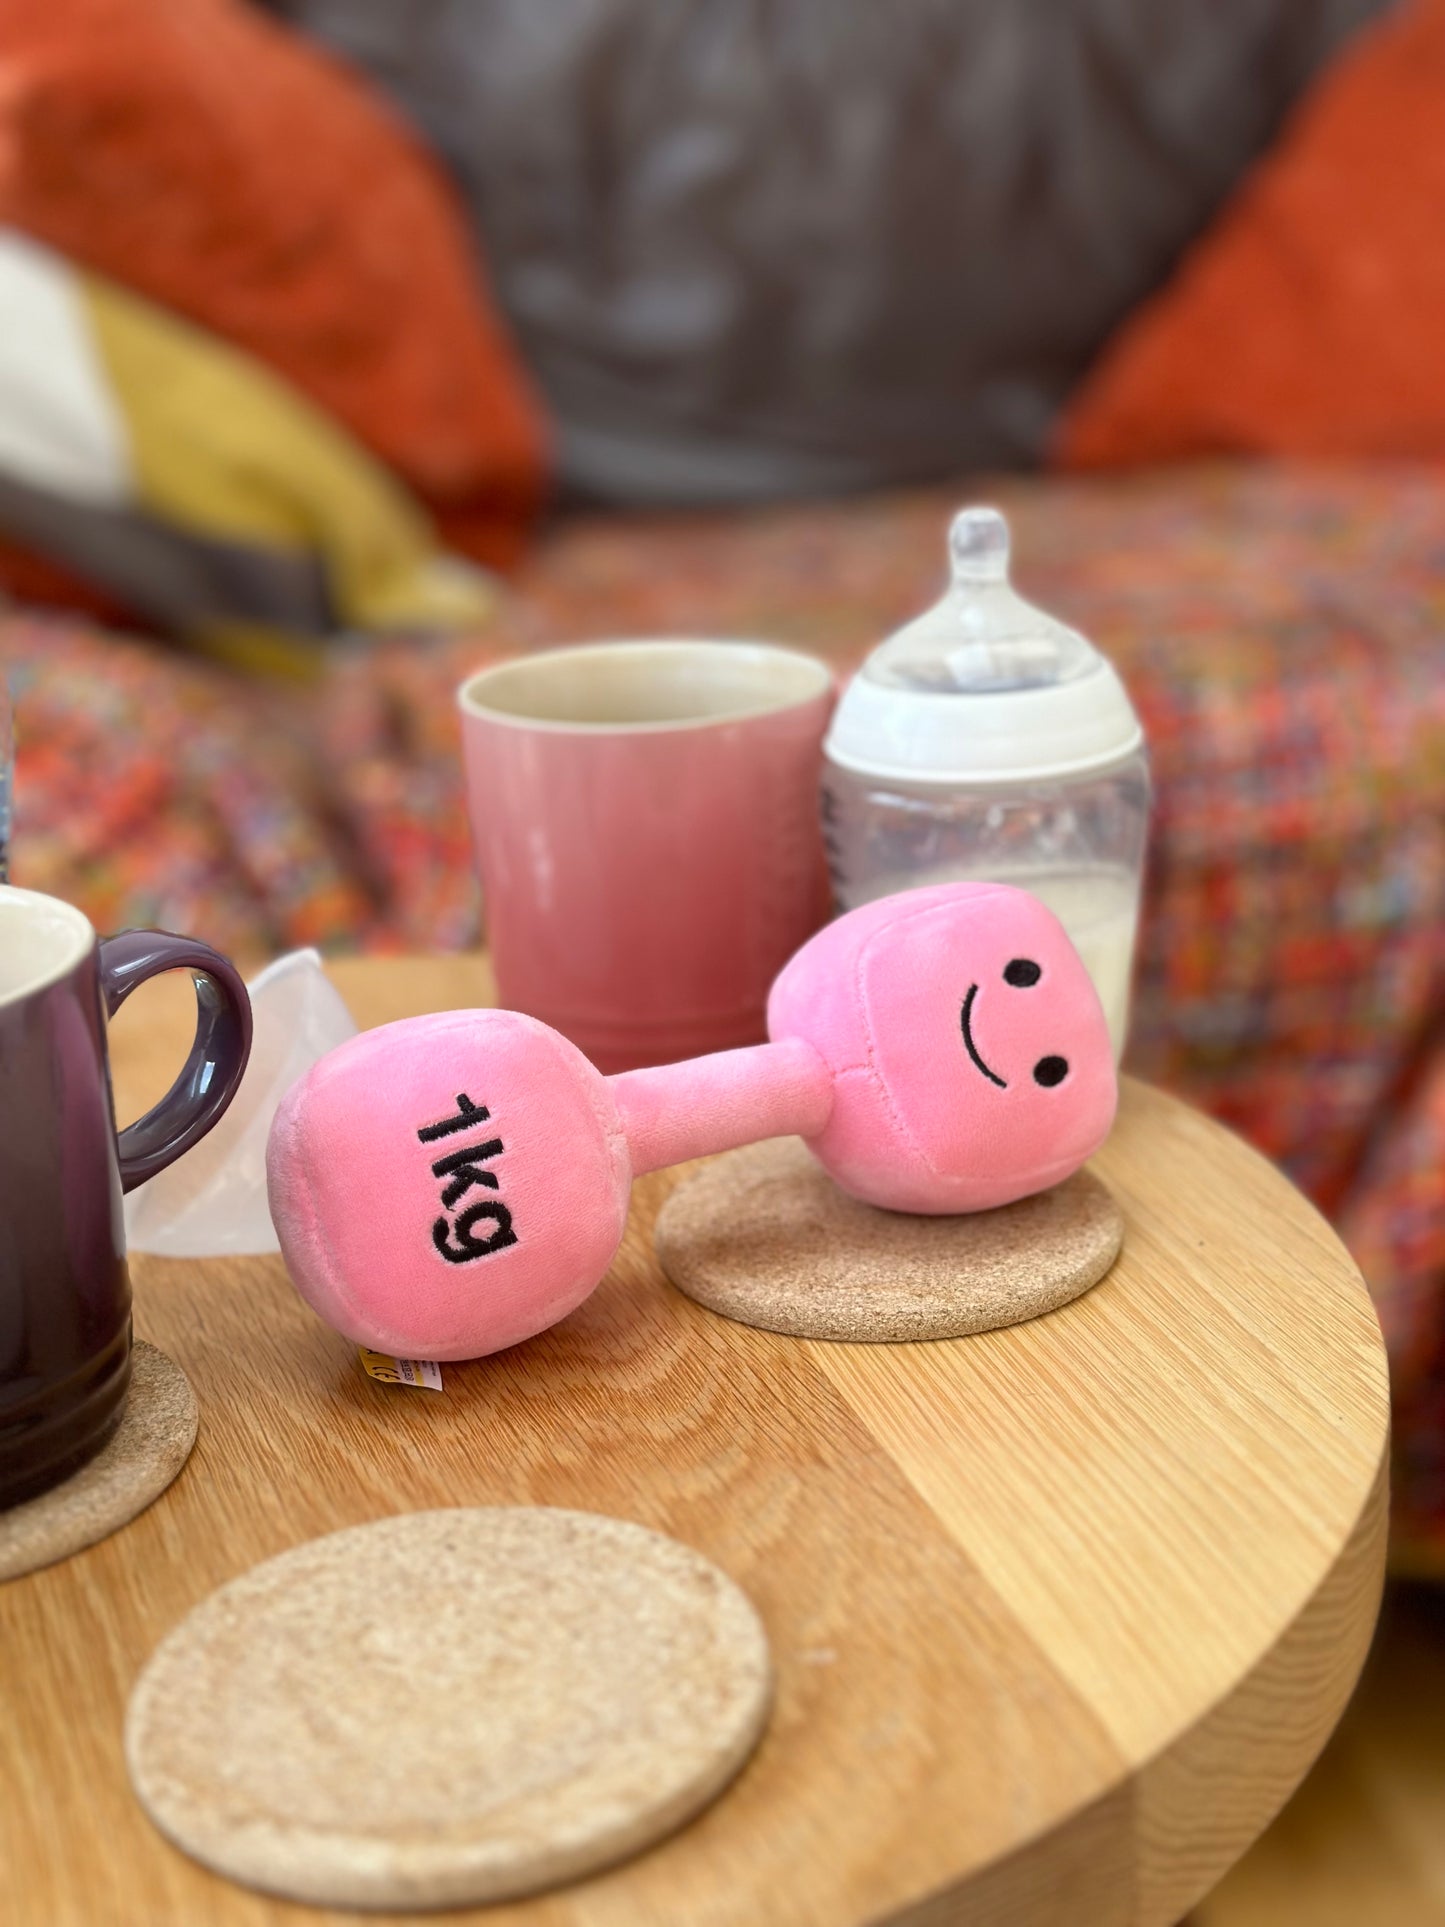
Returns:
point(1310, 319)
point(211, 160)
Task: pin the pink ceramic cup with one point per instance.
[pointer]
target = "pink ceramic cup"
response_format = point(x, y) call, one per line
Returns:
point(646, 824)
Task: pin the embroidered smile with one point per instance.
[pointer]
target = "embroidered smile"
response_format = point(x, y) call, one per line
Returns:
point(992, 1076)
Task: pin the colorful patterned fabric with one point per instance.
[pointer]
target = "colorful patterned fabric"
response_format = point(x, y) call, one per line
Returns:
point(1282, 631)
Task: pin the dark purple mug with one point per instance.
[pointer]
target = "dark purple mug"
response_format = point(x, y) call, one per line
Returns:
point(64, 1288)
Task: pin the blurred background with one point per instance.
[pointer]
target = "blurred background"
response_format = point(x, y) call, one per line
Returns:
point(346, 344)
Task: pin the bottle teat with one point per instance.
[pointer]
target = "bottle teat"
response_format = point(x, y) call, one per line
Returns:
point(981, 636)
point(978, 547)
point(983, 685)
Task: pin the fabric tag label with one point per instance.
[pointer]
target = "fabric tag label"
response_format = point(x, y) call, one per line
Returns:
point(401, 1371)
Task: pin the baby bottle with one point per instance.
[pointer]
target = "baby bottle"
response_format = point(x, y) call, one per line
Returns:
point(986, 740)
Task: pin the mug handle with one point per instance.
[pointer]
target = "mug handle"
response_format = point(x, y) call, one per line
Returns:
point(219, 1050)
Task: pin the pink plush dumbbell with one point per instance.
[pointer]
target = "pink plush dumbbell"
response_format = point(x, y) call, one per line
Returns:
point(449, 1185)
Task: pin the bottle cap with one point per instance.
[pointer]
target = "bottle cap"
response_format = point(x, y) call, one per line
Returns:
point(983, 687)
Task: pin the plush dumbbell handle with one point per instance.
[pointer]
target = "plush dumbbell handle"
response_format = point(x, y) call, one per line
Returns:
point(678, 1111)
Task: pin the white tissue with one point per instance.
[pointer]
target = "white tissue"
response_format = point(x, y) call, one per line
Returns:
point(213, 1200)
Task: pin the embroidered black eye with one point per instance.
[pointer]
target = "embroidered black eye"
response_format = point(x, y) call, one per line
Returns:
point(1023, 973)
point(1050, 1071)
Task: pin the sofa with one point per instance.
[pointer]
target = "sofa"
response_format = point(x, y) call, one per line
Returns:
point(1274, 600)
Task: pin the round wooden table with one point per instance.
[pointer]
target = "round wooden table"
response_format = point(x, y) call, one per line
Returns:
point(1061, 1614)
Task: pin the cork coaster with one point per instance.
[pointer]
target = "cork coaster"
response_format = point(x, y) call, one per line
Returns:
point(448, 1707)
point(764, 1236)
point(135, 1465)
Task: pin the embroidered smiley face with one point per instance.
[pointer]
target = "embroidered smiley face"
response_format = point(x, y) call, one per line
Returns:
point(1020, 973)
point(971, 1056)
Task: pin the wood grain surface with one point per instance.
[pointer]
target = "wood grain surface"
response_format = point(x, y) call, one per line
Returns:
point(1061, 1613)
point(1362, 1843)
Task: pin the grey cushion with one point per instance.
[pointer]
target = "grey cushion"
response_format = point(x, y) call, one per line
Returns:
point(765, 247)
